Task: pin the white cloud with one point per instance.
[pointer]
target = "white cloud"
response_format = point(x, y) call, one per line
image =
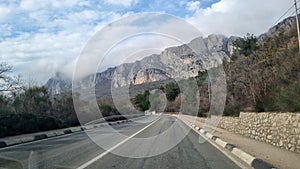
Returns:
point(4, 12)
point(33, 4)
point(126, 3)
point(65, 3)
point(5, 29)
point(41, 37)
point(165, 32)
point(236, 17)
point(43, 54)
point(193, 6)
point(83, 16)
point(37, 4)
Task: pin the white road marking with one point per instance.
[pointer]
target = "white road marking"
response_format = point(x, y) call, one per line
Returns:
point(114, 147)
point(227, 154)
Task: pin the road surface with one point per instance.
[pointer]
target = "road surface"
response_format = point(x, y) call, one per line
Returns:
point(78, 150)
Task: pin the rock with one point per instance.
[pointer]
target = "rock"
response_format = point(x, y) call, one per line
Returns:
point(175, 62)
point(280, 143)
point(150, 75)
point(286, 24)
point(293, 141)
point(58, 84)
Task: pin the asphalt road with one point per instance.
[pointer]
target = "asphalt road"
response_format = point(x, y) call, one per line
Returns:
point(110, 148)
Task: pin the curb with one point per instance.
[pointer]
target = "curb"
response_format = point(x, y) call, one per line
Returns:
point(26, 139)
point(2, 144)
point(244, 156)
point(40, 136)
point(67, 131)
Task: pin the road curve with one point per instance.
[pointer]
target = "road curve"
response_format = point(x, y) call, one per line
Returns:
point(78, 150)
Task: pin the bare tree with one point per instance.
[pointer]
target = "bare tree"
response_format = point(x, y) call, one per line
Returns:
point(8, 83)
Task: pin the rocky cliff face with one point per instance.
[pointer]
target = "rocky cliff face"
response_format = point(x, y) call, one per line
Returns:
point(56, 85)
point(173, 63)
point(176, 62)
point(282, 27)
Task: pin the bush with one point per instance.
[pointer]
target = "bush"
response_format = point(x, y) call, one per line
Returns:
point(15, 124)
point(106, 109)
point(247, 45)
point(201, 113)
point(172, 91)
point(142, 101)
point(285, 98)
point(169, 109)
point(259, 106)
point(232, 110)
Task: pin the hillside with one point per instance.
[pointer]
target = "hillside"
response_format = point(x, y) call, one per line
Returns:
point(268, 78)
point(262, 72)
point(173, 63)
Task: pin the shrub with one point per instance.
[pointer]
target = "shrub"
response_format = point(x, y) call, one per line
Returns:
point(172, 91)
point(15, 124)
point(106, 109)
point(142, 101)
point(232, 110)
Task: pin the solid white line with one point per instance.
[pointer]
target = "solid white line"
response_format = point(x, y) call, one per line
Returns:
point(227, 154)
point(114, 147)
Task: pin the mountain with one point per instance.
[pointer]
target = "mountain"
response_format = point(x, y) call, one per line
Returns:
point(58, 84)
point(282, 27)
point(260, 77)
point(173, 63)
point(176, 62)
point(266, 79)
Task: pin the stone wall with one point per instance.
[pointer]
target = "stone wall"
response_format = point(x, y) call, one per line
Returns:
point(279, 129)
point(230, 124)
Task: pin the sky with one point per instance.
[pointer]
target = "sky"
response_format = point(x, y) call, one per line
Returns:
point(42, 37)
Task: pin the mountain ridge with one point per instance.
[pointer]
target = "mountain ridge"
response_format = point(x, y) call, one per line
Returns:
point(172, 63)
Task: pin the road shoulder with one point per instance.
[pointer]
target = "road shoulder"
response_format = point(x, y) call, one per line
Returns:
point(279, 158)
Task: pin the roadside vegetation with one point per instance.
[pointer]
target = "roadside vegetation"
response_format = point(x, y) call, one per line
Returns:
point(262, 75)
point(30, 109)
point(142, 101)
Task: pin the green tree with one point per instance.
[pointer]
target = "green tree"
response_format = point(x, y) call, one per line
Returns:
point(172, 91)
point(142, 101)
point(106, 109)
point(247, 45)
point(5, 105)
point(63, 108)
point(34, 100)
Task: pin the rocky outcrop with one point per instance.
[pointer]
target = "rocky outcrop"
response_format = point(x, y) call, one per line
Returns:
point(173, 63)
point(176, 62)
point(60, 83)
point(150, 75)
point(149, 69)
point(57, 84)
point(284, 27)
